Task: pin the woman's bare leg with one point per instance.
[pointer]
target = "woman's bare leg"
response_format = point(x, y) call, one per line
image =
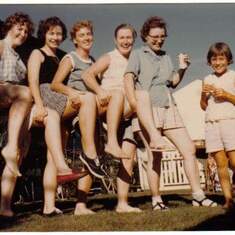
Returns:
point(53, 140)
point(49, 185)
point(153, 170)
point(84, 186)
point(87, 122)
point(181, 139)
point(122, 185)
point(145, 115)
point(20, 101)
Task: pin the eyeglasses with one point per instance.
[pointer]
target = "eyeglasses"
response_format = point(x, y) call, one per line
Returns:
point(157, 37)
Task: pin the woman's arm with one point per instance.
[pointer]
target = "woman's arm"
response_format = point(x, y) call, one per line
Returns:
point(130, 90)
point(1, 48)
point(57, 85)
point(34, 65)
point(89, 77)
point(61, 74)
point(184, 63)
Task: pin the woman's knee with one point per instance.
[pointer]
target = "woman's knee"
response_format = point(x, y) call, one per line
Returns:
point(88, 98)
point(142, 95)
point(188, 151)
point(117, 94)
point(52, 115)
point(25, 94)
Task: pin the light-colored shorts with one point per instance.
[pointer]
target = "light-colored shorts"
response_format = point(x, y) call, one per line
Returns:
point(220, 135)
point(164, 118)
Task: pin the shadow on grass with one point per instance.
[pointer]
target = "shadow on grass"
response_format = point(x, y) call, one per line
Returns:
point(217, 223)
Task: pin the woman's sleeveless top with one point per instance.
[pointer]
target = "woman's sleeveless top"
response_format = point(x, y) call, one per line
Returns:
point(12, 68)
point(113, 76)
point(79, 65)
point(48, 68)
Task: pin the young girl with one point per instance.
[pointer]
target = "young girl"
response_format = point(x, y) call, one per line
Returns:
point(218, 100)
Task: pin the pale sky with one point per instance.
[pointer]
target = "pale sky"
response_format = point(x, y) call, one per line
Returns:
point(192, 27)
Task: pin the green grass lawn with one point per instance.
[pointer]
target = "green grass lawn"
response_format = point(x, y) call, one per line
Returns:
point(181, 216)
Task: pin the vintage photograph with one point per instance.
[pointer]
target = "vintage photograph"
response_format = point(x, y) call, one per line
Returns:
point(117, 117)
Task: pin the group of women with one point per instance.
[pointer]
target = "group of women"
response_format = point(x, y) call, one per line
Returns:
point(120, 86)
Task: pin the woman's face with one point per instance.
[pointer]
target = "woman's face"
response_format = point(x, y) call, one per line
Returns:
point(54, 36)
point(156, 38)
point(18, 34)
point(84, 39)
point(124, 41)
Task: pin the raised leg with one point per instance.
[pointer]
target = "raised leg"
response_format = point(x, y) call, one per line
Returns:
point(20, 101)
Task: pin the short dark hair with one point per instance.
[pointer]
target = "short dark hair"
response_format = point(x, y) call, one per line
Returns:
point(18, 18)
point(45, 25)
point(125, 26)
point(152, 22)
point(219, 48)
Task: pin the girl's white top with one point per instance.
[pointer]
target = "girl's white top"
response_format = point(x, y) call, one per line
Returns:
point(219, 110)
point(113, 77)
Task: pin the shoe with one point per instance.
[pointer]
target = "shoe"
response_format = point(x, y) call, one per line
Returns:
point(160, 206)
point(7, 219)
point(55, 212)
point(74, 175)
point(93, 165)
point(203, 202)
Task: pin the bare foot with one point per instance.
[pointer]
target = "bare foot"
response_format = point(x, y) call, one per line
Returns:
point(115, 151)
point(11, 158)
point(127, 209)
point(229, 204)
point(160, 145)
point(83, 211)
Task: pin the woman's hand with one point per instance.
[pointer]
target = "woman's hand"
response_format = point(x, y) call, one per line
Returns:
point(75, 99)
point(40, 113)
point(103, 97)
point(184, 61)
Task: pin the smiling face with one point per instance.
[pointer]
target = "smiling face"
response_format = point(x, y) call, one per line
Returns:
point(156, 38)
point(54, 37)
point(84, 39)
point(124, 41)
point(18, 34)
point(219, 63)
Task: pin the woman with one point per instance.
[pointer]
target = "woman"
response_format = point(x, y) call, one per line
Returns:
point(16, 97)
point(150, 68)
point(111, 66)
point(42, 65)
point(72, 66)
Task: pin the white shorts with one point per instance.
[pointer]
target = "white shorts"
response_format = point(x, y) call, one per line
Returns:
point(220, 135)
point(164, 118)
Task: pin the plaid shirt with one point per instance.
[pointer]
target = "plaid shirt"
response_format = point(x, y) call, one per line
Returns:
point(12, 69)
